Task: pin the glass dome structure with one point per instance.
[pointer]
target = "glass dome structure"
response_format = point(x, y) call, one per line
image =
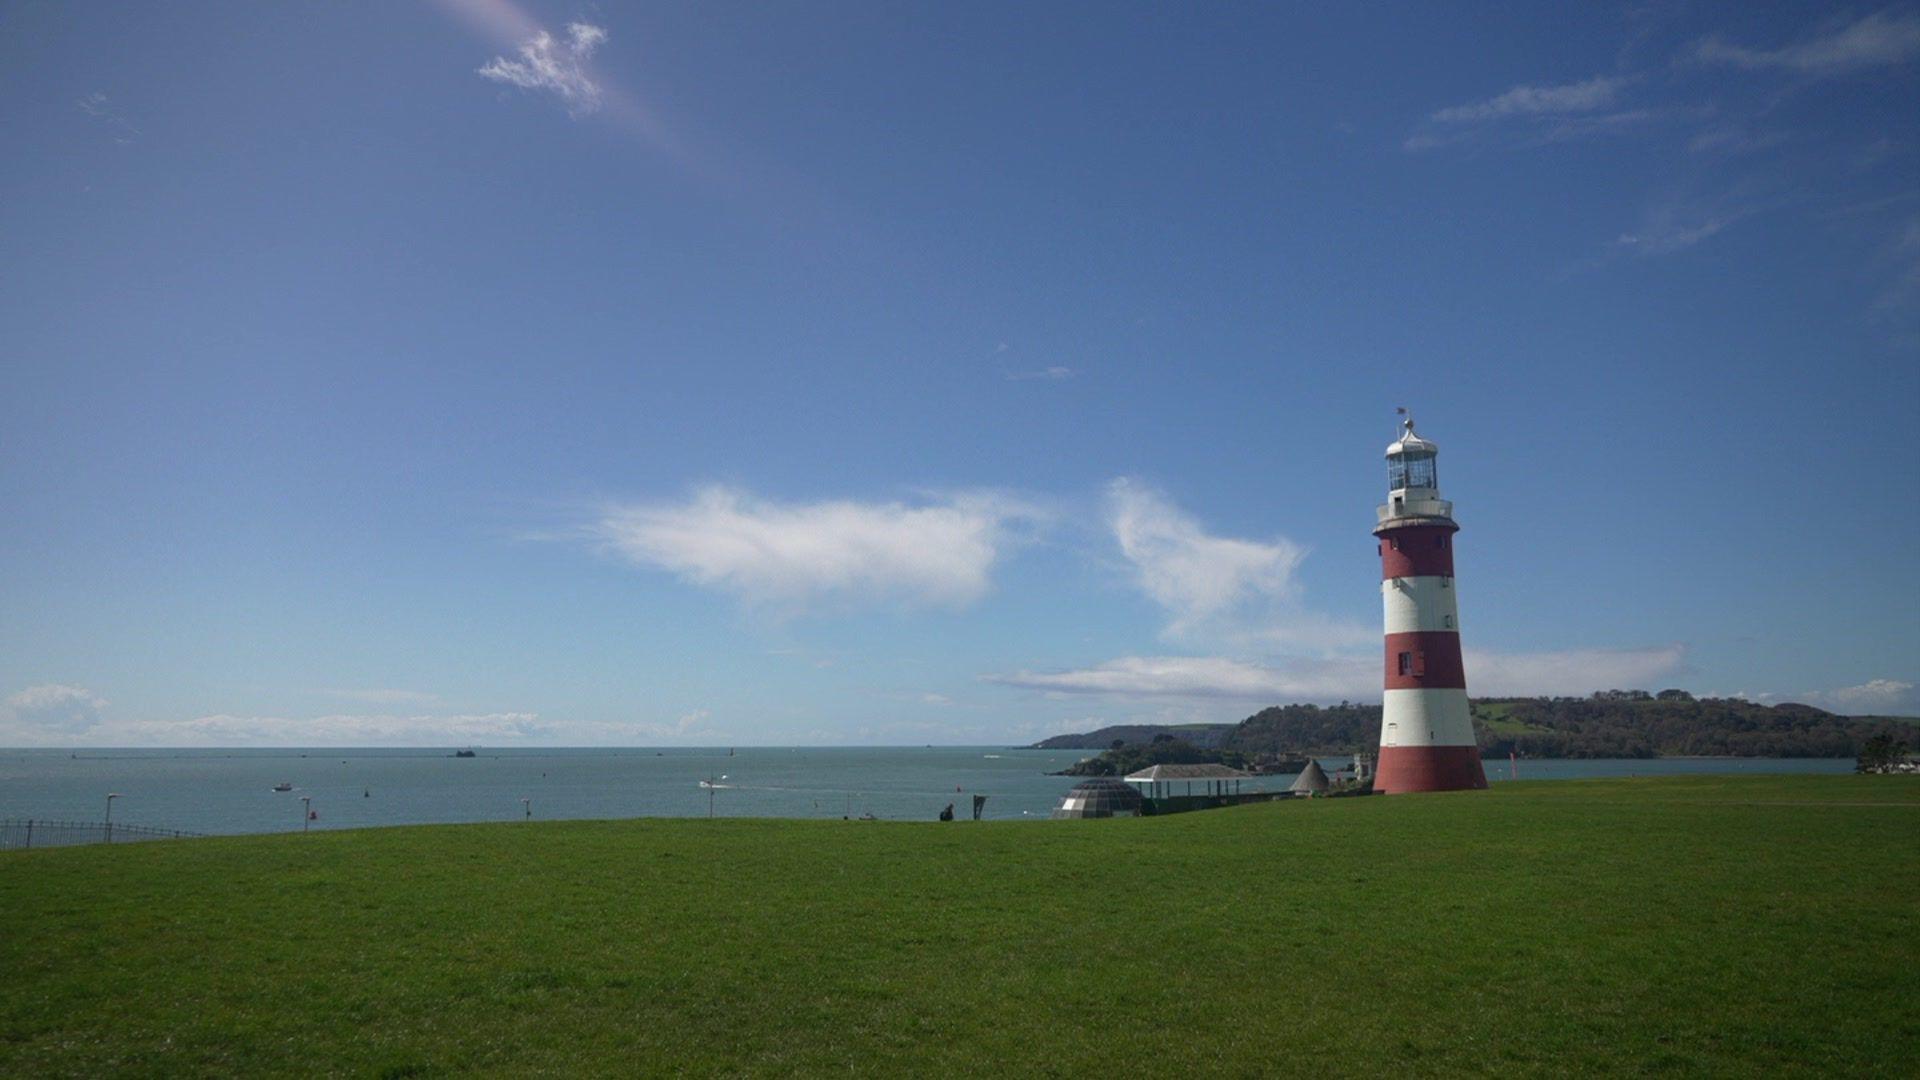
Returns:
point(1101, 796)
point(1411, 461)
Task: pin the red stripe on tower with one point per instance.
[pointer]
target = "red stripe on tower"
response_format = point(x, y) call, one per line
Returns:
point(1425, 659)
point(1426, 730)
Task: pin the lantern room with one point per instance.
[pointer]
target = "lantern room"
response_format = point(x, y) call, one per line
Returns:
point(1411, 461)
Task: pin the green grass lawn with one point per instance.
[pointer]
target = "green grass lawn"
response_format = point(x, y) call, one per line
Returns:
point(1752, 925)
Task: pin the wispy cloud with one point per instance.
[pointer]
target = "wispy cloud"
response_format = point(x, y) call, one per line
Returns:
point(1684, 220)
point(101, 109)
point(1664, 237)
point(1215, 677)
point(559, 64)
point(1878, 40)
point(56, 715)
point(1195, 576)
point(1547, 114)
point(1576, 671)
point(553, 66)
point(786, 556)
point(1901, 294)
point(1598, 92)
point(1049, 374)
point(1735, 139)
point(383, 729)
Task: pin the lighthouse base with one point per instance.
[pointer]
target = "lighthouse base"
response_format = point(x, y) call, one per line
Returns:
point(1429, 768)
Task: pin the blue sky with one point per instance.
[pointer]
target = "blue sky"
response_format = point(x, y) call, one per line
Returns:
point(510, 372)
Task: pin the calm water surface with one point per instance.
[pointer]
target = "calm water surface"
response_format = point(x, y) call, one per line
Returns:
point(231, 791)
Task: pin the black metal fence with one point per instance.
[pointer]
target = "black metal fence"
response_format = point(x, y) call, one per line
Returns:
point(23, 833)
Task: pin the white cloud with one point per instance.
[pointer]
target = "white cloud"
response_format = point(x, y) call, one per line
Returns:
point(546, 64)
point(1884, 696)
point(1571, 672)
point(1048, 374)
point(1196, 577)
point(1595, 93)
point(1877, 40)
point(53, 709)
point(784, 556)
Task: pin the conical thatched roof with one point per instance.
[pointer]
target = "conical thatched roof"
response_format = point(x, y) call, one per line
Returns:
point(1311, 778)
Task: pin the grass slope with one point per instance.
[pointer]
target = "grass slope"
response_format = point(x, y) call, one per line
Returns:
point(1701, 924)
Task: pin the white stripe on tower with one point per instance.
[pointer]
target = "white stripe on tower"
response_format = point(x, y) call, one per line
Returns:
point(1420, 605)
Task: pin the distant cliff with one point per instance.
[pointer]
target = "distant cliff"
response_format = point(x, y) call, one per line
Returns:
point(1206, 736)
point(1611, 724)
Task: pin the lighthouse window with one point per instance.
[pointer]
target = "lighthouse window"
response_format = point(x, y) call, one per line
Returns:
point(1448, 621)
point(1420, 470)
point(1406, 663)
point(1446, 583)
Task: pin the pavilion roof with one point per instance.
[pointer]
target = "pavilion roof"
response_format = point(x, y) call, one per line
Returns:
point(1208, 771)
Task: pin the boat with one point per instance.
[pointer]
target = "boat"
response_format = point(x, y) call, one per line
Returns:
point(283, 786)
point(465, 753)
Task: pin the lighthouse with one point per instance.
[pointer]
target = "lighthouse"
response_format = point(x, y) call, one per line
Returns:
point(1426, 732)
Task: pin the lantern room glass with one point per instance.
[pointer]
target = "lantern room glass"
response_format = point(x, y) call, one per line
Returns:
point(1411, 470)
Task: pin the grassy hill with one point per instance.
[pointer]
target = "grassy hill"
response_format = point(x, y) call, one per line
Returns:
point(1755, 925)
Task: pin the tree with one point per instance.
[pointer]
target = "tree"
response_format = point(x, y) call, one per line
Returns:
point(1880, 753)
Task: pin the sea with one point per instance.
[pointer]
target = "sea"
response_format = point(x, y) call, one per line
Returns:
point(232, 791)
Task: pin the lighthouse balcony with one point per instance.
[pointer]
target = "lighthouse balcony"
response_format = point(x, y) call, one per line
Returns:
point(1414, 504)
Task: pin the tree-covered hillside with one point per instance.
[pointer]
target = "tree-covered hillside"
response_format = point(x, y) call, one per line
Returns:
point(1610, 724)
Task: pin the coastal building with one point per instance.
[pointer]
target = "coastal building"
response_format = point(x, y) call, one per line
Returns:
point(1426, 731)
point(1158, 781)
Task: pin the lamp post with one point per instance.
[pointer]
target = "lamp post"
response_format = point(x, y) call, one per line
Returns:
point(306, 812)
point(109, 826)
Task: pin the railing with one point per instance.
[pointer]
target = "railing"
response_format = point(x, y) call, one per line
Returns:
point(23, 833)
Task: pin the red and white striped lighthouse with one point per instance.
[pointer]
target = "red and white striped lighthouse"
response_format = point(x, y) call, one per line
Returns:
point(1426, 732)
